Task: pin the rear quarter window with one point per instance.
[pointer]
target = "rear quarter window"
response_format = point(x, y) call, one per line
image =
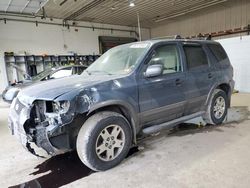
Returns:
point(218, 52)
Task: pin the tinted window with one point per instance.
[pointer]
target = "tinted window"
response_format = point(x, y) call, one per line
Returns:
point(218, 51)
point(168, 57)
point(195, 56)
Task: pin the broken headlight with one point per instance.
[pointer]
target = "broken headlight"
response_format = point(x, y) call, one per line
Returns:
point(61, 107)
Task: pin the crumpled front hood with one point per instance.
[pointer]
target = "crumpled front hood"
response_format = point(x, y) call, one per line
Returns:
point(49, 90)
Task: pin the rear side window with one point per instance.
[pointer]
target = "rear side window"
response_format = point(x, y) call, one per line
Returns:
point(218, 51)
point(195, 56)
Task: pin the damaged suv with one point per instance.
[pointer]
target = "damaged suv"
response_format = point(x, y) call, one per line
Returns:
point(133, 89)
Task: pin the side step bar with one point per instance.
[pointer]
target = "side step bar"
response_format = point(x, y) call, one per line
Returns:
point(170, 124)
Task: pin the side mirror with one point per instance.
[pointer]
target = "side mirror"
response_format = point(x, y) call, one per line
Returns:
point(154, 70)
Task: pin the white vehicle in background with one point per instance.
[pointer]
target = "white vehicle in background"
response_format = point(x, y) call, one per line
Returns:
point(59, 72)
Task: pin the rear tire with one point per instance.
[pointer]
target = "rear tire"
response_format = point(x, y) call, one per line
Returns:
point(217, 108)
point(104, 140)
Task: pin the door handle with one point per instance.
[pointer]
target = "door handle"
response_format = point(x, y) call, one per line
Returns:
point(210, 75)
point(178, 82)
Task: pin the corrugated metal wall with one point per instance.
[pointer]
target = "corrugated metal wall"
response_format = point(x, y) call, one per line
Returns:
point(230, 15)
point(233, 14)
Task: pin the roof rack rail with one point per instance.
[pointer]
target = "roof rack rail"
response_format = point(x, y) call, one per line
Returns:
point(201, 37)
point(168, 37)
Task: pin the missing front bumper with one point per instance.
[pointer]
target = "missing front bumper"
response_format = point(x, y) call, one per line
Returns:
point(18, 115)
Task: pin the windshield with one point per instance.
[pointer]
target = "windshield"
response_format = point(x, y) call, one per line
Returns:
point(41, 75)
point(119, 60)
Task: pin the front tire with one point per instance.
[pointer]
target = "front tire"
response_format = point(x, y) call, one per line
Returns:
point(217, 108)
point(104, 140)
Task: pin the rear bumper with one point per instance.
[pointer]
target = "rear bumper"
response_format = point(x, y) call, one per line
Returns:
point(232, 84)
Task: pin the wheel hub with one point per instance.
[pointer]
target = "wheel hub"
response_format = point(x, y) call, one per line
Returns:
point(110, 142)
point(219, 107)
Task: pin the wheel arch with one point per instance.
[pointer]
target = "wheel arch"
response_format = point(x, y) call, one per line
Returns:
point(223, 86)
point(122, 108)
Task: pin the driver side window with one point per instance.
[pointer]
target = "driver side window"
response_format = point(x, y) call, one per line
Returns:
point(167, 55)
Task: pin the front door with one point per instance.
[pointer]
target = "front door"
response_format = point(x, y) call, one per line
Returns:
point(161, 98)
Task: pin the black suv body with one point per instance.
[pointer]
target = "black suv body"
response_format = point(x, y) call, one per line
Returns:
point(135, 88)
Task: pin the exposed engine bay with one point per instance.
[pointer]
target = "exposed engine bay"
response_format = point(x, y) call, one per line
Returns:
point(50, 126)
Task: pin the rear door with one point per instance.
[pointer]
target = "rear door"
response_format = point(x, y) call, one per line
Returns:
point(161, 98)
point(200, 77)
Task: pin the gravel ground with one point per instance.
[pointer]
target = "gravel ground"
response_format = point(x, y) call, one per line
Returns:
point(188, 156)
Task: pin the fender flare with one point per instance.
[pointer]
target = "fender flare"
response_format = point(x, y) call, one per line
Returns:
point(134, 118)
point(212, 90)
